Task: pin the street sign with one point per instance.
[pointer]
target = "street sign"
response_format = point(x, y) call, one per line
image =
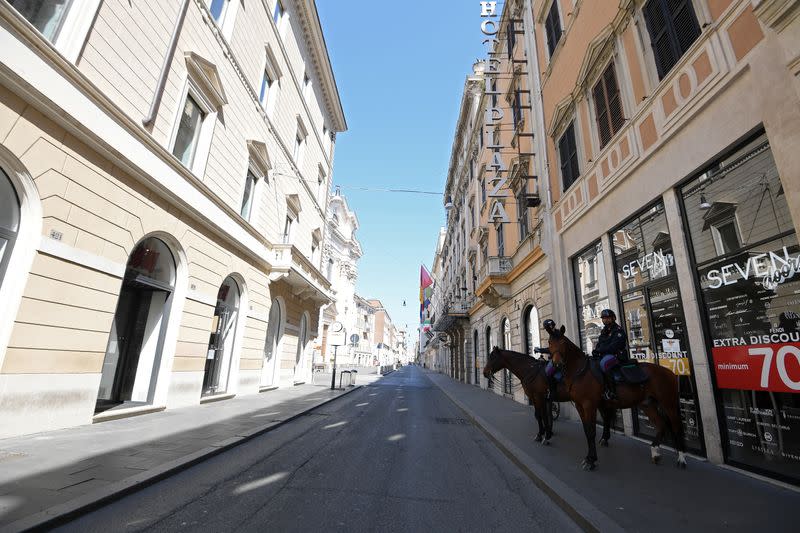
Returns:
point(354, 338)
point(337, 335)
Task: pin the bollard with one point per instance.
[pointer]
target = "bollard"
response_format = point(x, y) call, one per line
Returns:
point(353, 375)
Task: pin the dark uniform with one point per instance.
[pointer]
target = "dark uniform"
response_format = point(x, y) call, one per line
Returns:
point(613, 341)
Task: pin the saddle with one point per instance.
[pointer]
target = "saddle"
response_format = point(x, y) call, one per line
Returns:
point(632, 373)
point(628, 372)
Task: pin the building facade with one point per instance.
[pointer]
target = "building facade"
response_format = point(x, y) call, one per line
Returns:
point(665, 137)
point(340, 259)
point(669, 129)
point(164, 172)
point(494, 287)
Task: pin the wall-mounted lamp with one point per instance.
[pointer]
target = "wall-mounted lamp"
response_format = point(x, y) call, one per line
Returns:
point(448, 203)
point(703, 202)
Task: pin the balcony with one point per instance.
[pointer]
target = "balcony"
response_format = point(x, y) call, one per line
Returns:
point(452, 313)
point(498, 266)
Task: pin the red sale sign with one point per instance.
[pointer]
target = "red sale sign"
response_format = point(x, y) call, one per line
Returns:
point(770, 367)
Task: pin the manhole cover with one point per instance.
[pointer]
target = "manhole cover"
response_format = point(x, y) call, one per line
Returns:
point(453, 421)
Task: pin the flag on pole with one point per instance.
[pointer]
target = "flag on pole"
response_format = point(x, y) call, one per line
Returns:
point(425, 291)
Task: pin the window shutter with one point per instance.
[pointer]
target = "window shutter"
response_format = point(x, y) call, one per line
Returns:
point(614, 100)
point(602, 113)
point(553, 27)
point(568, 155)
point(657, 26)
point(673, 28)
point(685, 24)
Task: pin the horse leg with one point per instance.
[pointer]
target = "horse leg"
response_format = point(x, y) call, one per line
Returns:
point(548, 421)
point(651, 410)
point(589, 419)
point(608, 414)
point(674, 418)
point(537, 412)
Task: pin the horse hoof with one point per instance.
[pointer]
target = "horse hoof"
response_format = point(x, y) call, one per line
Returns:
point(604, 443)
point(538, 438)
point(656, 459)
point(588, 466)
point(546, 442)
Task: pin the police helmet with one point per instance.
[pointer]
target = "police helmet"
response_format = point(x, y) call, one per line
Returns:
point(607, 313)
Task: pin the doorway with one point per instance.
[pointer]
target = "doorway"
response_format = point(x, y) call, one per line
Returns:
point(133, 353)
point(220, 343)
point(272, 344)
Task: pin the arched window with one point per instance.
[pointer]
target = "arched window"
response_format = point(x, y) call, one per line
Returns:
point(9, 221)
point(530, 321)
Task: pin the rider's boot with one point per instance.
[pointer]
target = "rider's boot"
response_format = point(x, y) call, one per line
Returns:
point(611, 387)
point(552, 390)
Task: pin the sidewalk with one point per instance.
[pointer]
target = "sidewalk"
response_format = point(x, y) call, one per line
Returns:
point(626, 490)
point(56, 473)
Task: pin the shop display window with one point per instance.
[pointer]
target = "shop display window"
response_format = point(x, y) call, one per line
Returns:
point(747, 261)
point(652, 313)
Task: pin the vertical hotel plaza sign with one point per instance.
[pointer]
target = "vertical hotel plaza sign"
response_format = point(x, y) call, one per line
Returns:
point(490, 27)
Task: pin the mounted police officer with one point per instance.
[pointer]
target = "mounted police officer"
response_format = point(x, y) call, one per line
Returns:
point(612, 348)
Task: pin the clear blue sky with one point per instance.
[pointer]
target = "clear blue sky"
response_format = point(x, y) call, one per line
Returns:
point(400, 68)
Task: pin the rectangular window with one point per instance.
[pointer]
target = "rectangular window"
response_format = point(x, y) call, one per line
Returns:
point(608, 105)
point(188, 132)
point(249, 193)
point(287, 231)
point(299, 141)
point(749, 302)
point(516, 108)
point(483, 190)
point(512, 39)
point(568, 154)
point(218, 8)
point(267, 84)
point(306, 86)
point(277, 15)
point(552, 27)
point(522, 212)
point(501, 244)
point(673, 27)
point(47, 16)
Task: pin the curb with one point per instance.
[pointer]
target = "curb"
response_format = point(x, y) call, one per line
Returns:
point(584, 514)
point(65, 512)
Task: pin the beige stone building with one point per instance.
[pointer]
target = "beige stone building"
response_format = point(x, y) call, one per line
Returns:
point(671, 133)
point(164, 172)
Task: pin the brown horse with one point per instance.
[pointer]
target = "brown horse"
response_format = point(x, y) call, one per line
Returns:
point(530, 373)
point(657, 397)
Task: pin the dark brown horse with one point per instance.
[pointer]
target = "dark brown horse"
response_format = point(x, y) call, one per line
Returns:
point(530, 373)
point(657, 397)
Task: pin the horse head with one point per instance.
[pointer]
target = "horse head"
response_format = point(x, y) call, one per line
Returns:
point(558, 343)
point(493, 363)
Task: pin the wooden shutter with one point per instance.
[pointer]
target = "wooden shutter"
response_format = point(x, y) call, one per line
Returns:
point(568, 155)
point(553, 27)
point(608, 105)
point(673, 28)
point(684, 23)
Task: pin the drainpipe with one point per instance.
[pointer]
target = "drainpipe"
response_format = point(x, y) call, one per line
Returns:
point(162, 78)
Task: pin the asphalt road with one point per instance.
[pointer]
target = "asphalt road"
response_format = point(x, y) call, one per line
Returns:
point(394, 456)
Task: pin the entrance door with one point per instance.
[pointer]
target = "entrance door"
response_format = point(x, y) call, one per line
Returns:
point(220, 344)
point(135, 342)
